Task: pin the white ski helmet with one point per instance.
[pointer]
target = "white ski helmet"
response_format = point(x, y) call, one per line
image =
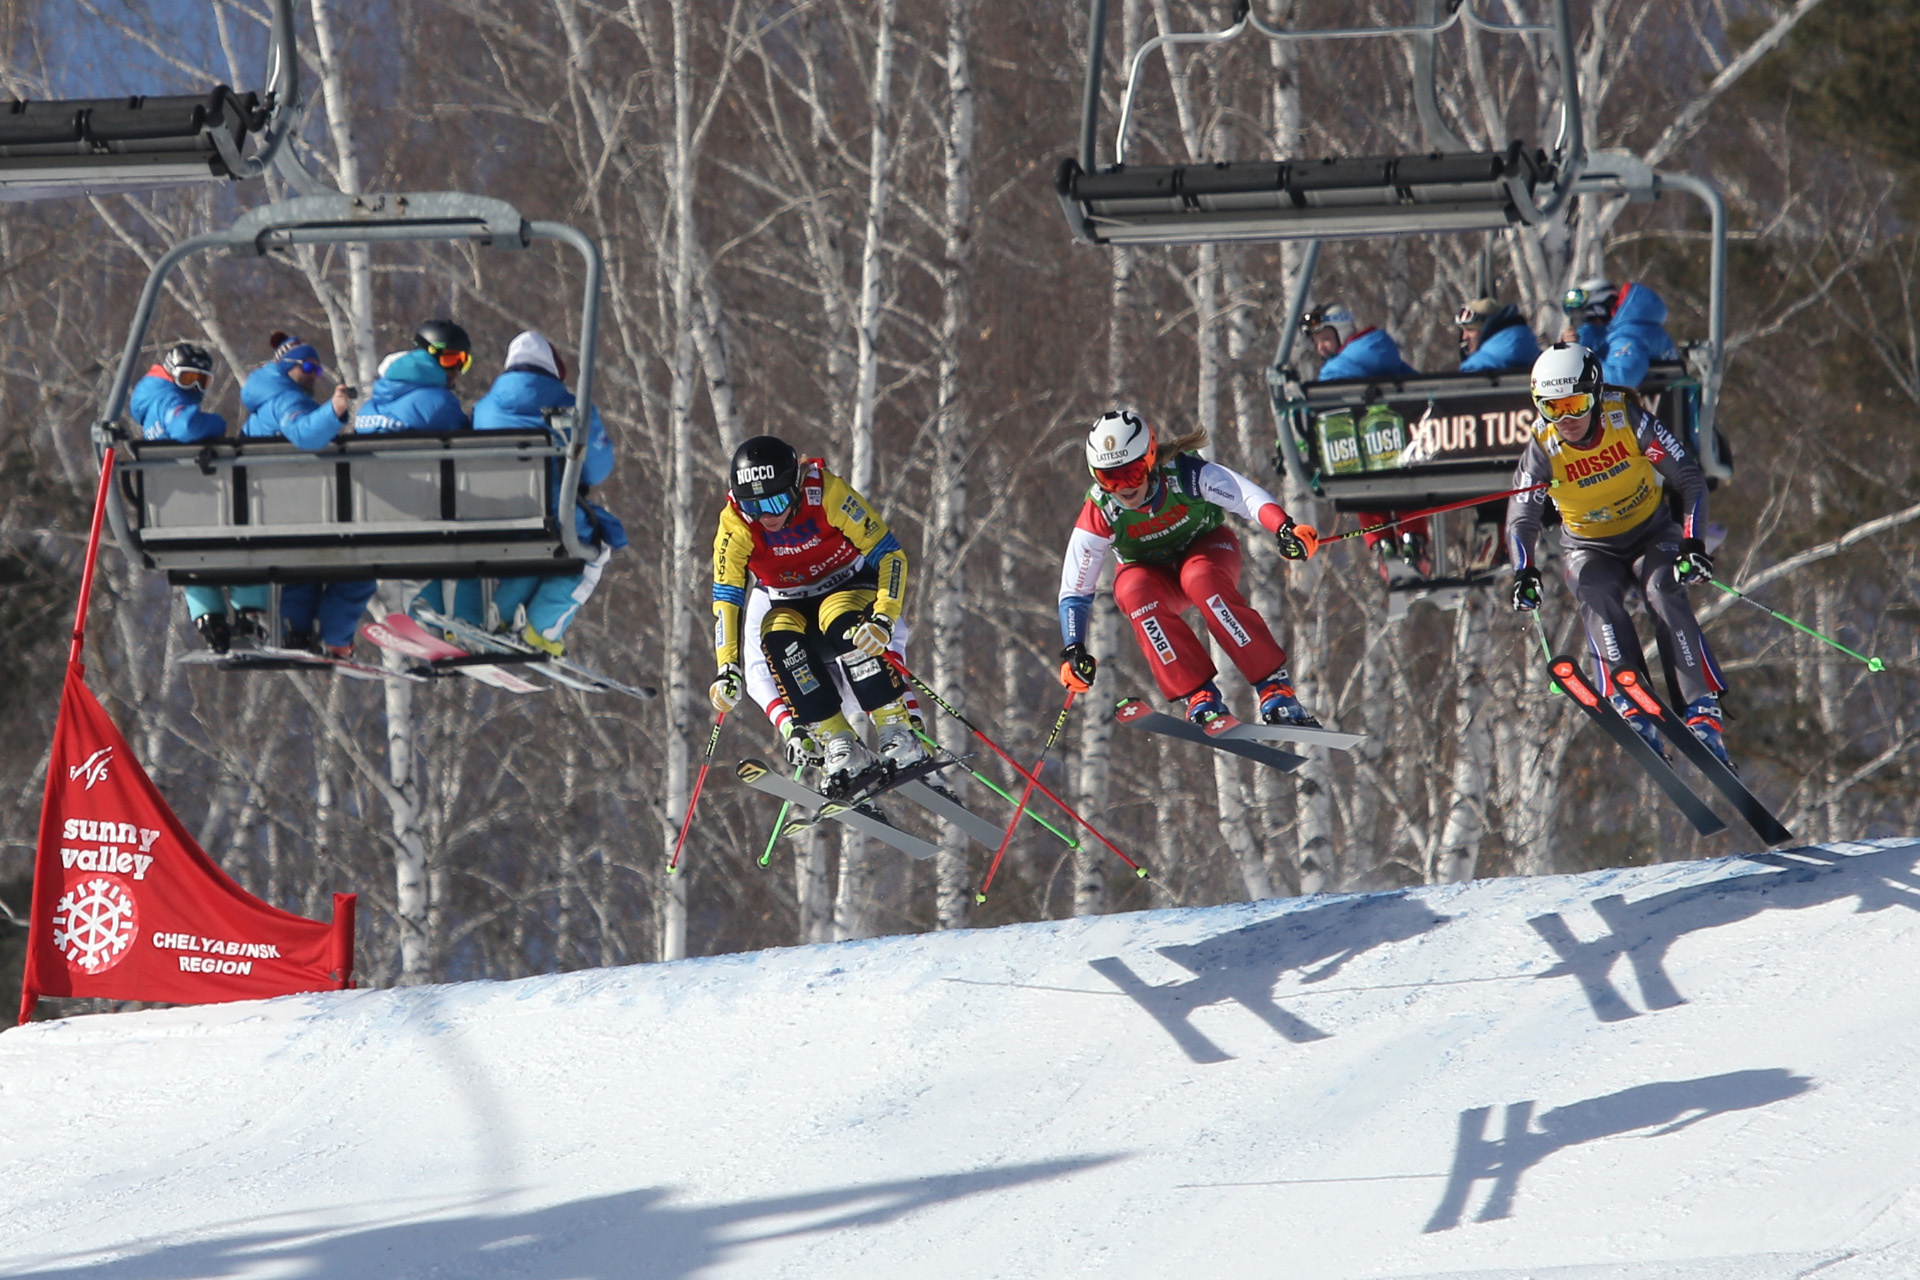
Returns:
point(1334, 315)
point(1121, 449)
point(1565, 370)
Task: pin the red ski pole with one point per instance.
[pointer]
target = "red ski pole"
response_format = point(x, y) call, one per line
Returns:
point(713, 741)
point(993, 746)
point(1059, 723)
point(1434, 511)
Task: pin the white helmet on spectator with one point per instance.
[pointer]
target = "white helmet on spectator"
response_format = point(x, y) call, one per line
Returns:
point(1333, 315)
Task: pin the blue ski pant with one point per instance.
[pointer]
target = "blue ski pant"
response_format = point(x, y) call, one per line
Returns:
point(204, 600)
point(551, 600)
point(333, 607)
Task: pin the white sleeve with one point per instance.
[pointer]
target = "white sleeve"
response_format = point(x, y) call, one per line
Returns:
point(1086, 557)
point(1227, 488)
point(760, 682)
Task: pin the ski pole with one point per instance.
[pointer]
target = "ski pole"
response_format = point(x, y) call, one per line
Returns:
point(713, 741)
point(780, 822)
point(1539, 625)
point(1059, 723)
point(894, 660)
point(1434, 511)
point(995, 787)
point(1873, 664)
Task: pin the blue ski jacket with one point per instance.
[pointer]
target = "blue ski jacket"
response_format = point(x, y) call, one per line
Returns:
point(411, 395)
point(516, 399)
point(278, 407)
point(167, 412)
point(1369, 353)
point(1633, 338)
point(1505, 343)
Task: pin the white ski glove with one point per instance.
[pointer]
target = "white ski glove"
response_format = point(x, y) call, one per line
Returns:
point(872, 636)
point(724, 692)
point(800, 745)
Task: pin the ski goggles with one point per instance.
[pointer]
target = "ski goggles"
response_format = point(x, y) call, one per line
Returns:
point(312, 368)
point(1554, 408)
point(190, 378)
point(1467, 318)
point(772, 505)
point(1128, 475)
point(457, 361)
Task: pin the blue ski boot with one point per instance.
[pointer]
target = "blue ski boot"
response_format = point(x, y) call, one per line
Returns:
point(1206, 707)
point(1278, 705)
point(1642, 723)
point(1703, 717)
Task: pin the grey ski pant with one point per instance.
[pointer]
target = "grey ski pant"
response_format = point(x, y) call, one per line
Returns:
point(1599, 578)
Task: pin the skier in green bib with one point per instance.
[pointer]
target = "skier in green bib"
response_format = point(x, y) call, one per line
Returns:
point(1164, 517)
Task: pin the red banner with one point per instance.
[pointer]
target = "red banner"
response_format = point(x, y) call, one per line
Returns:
point(128, 907)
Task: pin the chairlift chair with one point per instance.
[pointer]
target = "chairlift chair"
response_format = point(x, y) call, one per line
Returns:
point(394, 505)
point(102, 146)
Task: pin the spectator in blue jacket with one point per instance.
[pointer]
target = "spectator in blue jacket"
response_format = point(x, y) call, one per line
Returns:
point(279, 395)
point(1625, 325)
point(1494, 338)
point(414, 390)
point(166, 404)
point(1348, 351)
point(533, 381)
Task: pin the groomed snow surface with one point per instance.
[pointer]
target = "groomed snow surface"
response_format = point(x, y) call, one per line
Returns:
point(1695, 1071)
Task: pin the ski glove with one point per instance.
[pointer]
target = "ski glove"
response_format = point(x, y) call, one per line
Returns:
point(1077, 667)
point(871, 636)
point(1297, 541)
point(724, 692)
point(1526, 589)
point(1694, 565)
point(800, 745)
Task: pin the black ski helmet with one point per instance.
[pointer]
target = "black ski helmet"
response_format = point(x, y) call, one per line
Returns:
point(441, 335)
point(763, 467)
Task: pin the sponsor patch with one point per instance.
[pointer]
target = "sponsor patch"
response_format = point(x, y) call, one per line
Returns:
point(1218, 605)
point(1162, 647)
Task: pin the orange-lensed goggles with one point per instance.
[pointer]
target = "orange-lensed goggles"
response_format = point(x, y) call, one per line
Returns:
point(1129, 475)
point(458, 361)
point(1557, 407)
point(193, 378)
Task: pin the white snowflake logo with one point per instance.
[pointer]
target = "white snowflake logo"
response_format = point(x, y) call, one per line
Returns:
point(93, 768)
point(95, 924)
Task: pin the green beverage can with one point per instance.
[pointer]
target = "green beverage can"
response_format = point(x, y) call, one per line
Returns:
point(1339, 446)
point(1383, 437)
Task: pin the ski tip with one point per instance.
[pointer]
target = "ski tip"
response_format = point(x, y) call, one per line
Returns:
point(751, 770)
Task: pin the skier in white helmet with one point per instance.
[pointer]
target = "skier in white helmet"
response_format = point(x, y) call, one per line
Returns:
point(1609, 460)
point(1163, 515)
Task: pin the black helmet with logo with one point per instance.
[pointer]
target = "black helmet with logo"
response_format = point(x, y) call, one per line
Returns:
point(764, 477)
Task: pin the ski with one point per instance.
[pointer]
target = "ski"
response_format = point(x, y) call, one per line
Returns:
point(1250, 731)
point(274, 658)
point(756, 774)
point(560, 670)
point(880, 779)
point(1583, 695)
point(1136, 713)
point(1724, 779)
point(403, 635)
point(948, 809)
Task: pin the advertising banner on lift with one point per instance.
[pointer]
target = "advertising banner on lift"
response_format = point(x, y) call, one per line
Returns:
point(126, 905)
point(1391, 434)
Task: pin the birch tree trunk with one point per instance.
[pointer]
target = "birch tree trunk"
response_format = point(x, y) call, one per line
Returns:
point(1458, 851)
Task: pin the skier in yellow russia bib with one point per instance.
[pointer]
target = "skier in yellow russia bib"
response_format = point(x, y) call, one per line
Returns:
point(1609, 462)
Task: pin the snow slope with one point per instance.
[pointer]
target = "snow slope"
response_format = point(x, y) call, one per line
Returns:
point(1703, 1071)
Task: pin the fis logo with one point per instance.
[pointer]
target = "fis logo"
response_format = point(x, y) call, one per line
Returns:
point(1232, 624)
point(93, 768)
point(1162, 647)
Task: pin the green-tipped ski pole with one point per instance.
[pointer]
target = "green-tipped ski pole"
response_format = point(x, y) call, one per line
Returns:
point(1873, 664)
point(1540, 626)
point(1033, 778)
point(780, 822)
point(933, 743)
point(894, 661)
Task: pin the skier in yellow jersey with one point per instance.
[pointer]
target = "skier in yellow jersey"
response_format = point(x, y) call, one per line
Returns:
point(838, 582)
point(1609, 461)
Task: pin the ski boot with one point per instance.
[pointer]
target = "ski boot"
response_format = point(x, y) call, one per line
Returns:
point(1278, 705)
point(848, 766)
point(250, 625)
point(344, 652)
point(1206, 708)
point(1642, 723)
point(531, 634)
point(1703, 717)
point(214, 629)
point(297, 638)
point(899, 747)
